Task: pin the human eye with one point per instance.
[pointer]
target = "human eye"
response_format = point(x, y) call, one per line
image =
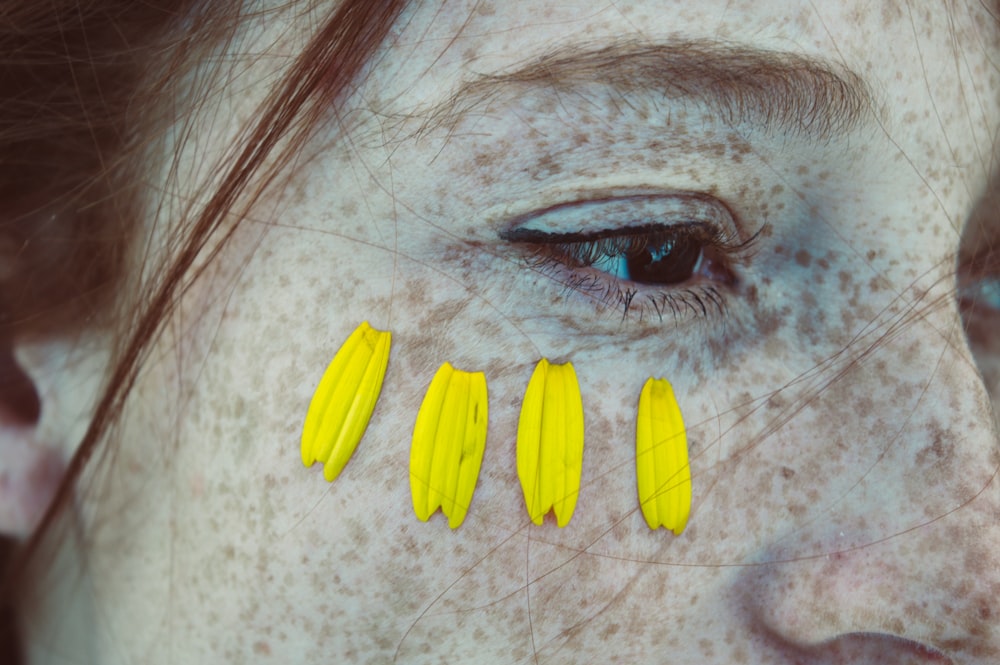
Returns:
point(979, 301)
point(648, 255)
point(979, 287)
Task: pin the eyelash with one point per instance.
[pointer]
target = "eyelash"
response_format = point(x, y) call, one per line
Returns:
point(564, 256)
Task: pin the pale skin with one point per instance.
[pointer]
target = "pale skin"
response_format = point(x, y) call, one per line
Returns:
point(843, 440)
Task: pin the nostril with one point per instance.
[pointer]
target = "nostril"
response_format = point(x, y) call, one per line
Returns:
point(19, 402)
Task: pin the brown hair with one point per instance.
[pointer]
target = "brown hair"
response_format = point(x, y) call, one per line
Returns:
point(83, 84)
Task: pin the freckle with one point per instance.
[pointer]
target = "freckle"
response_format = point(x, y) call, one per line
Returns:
point(787, 473)
point(610, 631)
point(349, 208)
point(803, 258)
point(768, 321)
point(262, 649)
point(198, 486)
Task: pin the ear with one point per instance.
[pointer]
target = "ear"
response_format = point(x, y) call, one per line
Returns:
point(46, 393)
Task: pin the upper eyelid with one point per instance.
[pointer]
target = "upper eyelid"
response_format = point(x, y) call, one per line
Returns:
point(614, 215)
point(543, 237)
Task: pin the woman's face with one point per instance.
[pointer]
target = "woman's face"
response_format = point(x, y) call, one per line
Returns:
point(843, 445)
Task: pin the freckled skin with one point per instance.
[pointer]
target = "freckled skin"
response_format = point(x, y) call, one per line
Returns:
point(843, 443)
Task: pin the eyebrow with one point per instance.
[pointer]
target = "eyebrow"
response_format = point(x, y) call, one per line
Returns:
point(776, 89)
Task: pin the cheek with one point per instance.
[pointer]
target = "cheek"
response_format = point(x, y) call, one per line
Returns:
point(786, 434)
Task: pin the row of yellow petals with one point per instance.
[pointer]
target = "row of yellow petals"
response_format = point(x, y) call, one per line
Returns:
point(449, 436)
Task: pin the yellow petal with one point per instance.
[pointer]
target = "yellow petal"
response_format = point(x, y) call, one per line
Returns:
point(424, 437)
point(360, 410)
point(645, 464)
point(572, 447)
point(344, 400)
point(449, 438)
point(529, 434)
point(550, 442)
point(473, 447)
point(663, 472)
point(321, 398)
point(448, 444)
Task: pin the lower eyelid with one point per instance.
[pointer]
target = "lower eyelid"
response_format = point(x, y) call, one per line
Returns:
point(629, 301)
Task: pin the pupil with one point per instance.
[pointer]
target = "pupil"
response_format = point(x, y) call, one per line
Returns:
point(672, 262)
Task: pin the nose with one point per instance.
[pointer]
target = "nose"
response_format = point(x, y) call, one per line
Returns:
point(905, 564)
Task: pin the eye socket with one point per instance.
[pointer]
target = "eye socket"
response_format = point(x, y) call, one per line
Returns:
point(662, 240)
point(667, 254)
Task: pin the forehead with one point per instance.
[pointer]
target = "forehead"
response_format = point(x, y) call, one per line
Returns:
point(927, 66)
point(485, 38)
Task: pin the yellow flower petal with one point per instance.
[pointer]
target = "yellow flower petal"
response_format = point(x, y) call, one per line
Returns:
point(663, 473)
point(473, 446)
point(550, 442)
point(449, 438)
point(529, 435)
point(344, 400)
